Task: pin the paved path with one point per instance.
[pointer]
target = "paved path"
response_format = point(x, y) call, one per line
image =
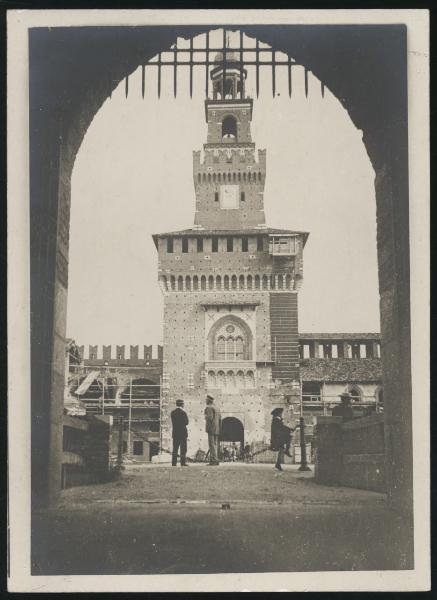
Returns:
point(164, 520)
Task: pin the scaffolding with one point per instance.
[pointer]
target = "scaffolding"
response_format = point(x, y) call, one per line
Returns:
point(128, 393)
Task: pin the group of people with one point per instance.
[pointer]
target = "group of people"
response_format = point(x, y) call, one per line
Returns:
point(281, 434)
point(280, 440)
point(179, 420)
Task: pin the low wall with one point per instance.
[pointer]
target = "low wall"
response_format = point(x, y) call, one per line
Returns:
point(87, 450)
point(352, 453)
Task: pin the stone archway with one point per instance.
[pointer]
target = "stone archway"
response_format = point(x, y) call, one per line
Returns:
point(72, 72)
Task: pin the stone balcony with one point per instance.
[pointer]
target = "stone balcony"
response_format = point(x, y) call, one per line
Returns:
point(230, 375)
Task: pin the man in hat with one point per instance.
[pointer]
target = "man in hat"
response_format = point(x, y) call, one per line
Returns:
point(344, 409)
point(212, 428)
point(280, 438)
point(179, 421)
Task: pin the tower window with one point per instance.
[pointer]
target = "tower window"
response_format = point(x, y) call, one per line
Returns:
point(259, 244)
point(230, 244)
point(244, 244)
point(199, 244)
point(216, 196)
point(229, 127)
point(184, 244)
point(243, 196)
point(169, 245)
point(215, 244)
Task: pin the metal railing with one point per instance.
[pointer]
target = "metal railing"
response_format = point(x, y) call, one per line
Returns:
point(234, 57)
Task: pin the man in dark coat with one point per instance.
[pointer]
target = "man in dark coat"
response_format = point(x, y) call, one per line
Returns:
point(212, 428)
point(280, 438)
point(344, 409)
point(179, 421)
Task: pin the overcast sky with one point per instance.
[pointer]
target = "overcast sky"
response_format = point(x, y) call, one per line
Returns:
point(133, 177)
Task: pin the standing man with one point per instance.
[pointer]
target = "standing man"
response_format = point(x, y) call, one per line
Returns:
point(344, 409)
point(212, 427)
point(179, 421)
point(280, 438)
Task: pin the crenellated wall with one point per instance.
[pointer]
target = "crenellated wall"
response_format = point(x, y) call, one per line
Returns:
point(129, 355)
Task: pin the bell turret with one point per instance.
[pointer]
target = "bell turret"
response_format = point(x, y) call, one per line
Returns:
point(228, 76)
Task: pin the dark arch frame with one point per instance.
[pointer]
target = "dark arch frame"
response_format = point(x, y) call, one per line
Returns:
point(72, 72)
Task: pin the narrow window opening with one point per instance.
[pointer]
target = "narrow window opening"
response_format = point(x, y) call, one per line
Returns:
point(259, 244)
point(199, 244)
point(184, 244)
point(230, 244)
point(243, 196)
point(244, 244)
point(216, 196)
point(169, 245)
point(215, 244)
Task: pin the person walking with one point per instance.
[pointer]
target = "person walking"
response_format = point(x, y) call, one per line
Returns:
point(280, 439)
point(212, 428)
point(179, 421)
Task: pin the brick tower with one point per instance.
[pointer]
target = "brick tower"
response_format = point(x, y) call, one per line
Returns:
point(230, 283)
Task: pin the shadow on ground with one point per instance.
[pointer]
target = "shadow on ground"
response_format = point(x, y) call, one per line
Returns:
point(168, 520)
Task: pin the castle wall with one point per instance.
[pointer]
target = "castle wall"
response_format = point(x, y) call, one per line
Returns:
point(186, 363)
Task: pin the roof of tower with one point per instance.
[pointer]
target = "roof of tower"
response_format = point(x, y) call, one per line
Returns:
point(227, 232)
point(231, 56)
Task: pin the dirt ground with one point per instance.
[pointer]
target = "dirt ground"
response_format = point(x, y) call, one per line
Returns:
point(235, 518)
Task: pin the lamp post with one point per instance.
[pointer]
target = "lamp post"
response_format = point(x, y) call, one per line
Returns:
point(303, 450)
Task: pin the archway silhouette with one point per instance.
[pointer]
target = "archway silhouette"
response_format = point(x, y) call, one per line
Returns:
point(369, 78)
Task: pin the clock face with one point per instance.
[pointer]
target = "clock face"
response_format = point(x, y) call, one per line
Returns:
point(229, 196)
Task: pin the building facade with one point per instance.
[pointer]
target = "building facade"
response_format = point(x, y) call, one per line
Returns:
point(230, 283)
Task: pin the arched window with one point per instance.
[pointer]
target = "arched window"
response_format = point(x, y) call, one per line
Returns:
point(180, 283)
point(230, 348)
point(250, 379)
point(239, 348)
point(219, 177)
point(257, 282)
point(244, 176)
point(203, 282)
point(221, 380)
point(188, 282)
point(230, 339)
point(213, 177)
point(229, 127)
point(226, 282)
point(209, 177)
point(249, 282)
point(230, 379)
point(239, 176)
point(199, 177)
point(240, 379)
point(218, 281)
point(211, 379)
point(173, 282)
point(195, 283)
point(221, 348)
point(241, 279)
point(234, 177)
point(211, 282)
point(265, 279)
point(234, 282)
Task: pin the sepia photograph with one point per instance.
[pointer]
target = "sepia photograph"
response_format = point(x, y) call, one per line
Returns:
point(218, 300)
